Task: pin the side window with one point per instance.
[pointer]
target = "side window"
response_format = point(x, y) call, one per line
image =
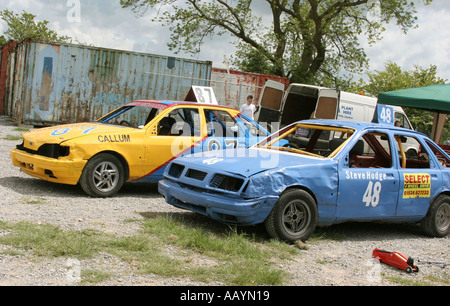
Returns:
point(221, 124)
point(443, 159)
point(152, 114)
point(409, 160)
point(402, 121)
point(253, 129)
point(132, 116)
point(180, 122)
point(371, 151)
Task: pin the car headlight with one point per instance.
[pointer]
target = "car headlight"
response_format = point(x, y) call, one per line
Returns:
point(48, 150)
point(229, 183)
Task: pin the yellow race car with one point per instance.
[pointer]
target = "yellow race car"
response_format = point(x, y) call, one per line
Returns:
point(132, 143)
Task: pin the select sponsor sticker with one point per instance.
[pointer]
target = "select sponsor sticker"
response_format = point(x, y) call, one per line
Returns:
point(416, 185)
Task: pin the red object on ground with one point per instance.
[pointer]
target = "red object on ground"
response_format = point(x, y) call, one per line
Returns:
point(395, 259)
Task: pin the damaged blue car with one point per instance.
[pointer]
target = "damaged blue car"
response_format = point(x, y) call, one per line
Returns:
point(328, 172)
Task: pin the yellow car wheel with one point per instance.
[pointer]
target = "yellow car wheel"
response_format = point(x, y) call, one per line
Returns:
point(103, 176)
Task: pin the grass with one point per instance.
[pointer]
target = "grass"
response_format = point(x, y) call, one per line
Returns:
point(49, 241)
point(166, 246)
point(439, 280)
point(12, 138)
point(432, 281)
point(94, 276)
point(324, 235)
point(407, 282)
point(172, 246)
point(33, 201)
point(21, 129)
point(240, 259)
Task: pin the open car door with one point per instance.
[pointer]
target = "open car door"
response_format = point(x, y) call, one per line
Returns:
point(327, 104)
point(270, 102)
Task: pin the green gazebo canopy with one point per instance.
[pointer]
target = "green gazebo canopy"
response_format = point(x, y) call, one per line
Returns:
point(435, 98)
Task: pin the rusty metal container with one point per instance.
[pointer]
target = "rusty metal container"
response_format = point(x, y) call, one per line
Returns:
point(7, 63)
point(54, 83)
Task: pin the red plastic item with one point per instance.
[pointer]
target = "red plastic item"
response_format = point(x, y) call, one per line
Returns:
point(395, 259)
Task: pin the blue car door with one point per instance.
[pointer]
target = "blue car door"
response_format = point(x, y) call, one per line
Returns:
point(368, 180)
point(250, 132)
point(222, 131)
point(420, 179)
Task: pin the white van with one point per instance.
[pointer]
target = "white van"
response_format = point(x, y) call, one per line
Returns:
point(279, 108)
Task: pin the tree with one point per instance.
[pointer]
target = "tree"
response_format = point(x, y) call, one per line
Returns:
point(307, 40)
point(24, 26)
point(394, 78)
point(3, 41)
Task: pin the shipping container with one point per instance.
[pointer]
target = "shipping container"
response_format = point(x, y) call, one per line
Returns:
point(232, 87)
point(7, 62)
point(55, 83)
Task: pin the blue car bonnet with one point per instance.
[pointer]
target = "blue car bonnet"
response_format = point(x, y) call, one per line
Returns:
point(247, 162)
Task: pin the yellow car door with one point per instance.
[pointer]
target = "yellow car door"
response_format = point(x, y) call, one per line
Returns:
point(176, 132)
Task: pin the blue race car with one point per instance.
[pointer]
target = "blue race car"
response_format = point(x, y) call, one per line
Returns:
point(329, 172)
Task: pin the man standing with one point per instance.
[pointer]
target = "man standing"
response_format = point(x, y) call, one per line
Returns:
point(249, 109)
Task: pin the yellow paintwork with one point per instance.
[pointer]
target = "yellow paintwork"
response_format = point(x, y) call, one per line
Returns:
point(66, 171)
point(142, 150)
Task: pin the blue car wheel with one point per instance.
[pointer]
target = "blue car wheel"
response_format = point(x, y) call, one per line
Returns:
point(294, 217)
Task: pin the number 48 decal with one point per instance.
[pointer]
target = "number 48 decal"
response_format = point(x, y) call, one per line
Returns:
point(372, 195)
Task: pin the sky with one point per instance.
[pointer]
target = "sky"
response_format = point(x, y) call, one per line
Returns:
point(103, 23)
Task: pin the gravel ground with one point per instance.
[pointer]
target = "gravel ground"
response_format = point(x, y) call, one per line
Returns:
point(326, 263)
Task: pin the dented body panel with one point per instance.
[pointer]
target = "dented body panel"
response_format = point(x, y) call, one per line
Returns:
point(265, 175)
point(243, 186)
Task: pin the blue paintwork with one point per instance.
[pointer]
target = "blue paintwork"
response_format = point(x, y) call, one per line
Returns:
point(338, 189)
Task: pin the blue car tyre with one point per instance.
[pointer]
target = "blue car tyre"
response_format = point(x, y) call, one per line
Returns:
point(294, 216)
point(437, 221)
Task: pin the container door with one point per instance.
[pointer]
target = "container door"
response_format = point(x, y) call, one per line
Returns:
point(327, 104)
point(270, 102)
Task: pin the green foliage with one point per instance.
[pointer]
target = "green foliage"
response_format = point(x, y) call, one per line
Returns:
point(308, 41)
point(24, 26)
point(394, 78)
point(3, 41)
point(249, 59)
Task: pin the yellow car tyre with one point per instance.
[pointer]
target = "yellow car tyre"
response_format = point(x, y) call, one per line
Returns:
point(103, 176)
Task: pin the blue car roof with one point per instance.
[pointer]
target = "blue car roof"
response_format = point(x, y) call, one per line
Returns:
point(358, 125)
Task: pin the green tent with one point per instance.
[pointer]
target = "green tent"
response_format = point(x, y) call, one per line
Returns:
point(435, 98)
